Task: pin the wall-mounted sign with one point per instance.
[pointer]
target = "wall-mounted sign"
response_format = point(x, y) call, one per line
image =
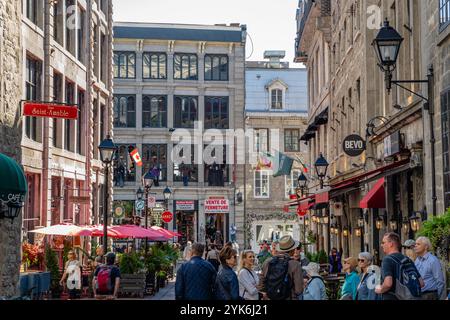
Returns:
point(50, 110)
point(354, 145)
point(140, 205)
point(80, 199)
point(167, 216)
point(185, 205)
point(217, 205)
point(151, 203)
point(118, 212)
point(392, 144)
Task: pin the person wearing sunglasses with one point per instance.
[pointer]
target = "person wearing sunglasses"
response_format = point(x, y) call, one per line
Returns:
point(227, 283)
point(248, 279)
point(369, 278)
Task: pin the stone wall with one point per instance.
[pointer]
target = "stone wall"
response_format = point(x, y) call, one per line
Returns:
point(10, 134)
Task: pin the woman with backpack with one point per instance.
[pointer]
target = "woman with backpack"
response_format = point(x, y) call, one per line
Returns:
point(315, 287)
point(248, 279)
point(72, 272)
point(227, 284)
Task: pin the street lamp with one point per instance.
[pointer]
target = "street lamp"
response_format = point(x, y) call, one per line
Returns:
point(405, 225)
point(358, 232)
point(107, 149)
point(148, 180)
point(139, 193)
point(167, 194)
point(416, 219)
point(387, 46)
point(302, 183)
point(321, 166)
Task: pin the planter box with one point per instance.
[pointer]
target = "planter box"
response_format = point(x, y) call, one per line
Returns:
point(132, 284)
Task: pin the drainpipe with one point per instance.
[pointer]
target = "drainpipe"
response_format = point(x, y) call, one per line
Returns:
point(430, 106)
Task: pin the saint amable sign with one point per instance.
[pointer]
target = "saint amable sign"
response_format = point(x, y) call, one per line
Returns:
point(50, 110)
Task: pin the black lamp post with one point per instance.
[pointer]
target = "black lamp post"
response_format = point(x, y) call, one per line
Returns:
point(147, 180)
point(387, 47)
point(107, 149)
point(302, 183)
point(321, 166)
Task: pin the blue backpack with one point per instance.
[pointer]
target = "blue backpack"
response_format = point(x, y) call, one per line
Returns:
point(407, 285)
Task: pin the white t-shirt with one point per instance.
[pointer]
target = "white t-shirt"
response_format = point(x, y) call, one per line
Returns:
point(74, 275)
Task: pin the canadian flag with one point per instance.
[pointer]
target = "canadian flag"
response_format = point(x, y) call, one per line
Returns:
point(136, 157)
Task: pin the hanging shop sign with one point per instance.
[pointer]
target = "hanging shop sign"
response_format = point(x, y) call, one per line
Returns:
point(354, 145)
point(301, 212)
point(217, 205)
point(167, 216)
point(151, 203)
point(392, 144)
point(119, 212)
point(50, 110)
point(185, 205)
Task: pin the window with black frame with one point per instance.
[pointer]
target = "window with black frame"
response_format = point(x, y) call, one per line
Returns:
point(154, 111)
point(216, 113)
point(124, 111)
point(69, 124)
point(216, 170)
point(291, 140)
point(185, 169)
point(277, 99)
point(445, 121)
point(33, 85)
point(124, 166)
point(154, 65)
point(124, 65)
point(154, 158)
point(185, 112)
point(444, 13)
point(216, 67)
point(185, 66)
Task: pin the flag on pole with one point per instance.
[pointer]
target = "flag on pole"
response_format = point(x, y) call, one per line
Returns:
point(283, 164)
point(136, 157)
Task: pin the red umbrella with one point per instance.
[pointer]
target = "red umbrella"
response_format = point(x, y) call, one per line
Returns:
point(133, 231)
point(169, 233)
point(97, 231)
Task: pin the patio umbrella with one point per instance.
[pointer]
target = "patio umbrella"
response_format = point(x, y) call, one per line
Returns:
point(132, 231)
point(96, 231)
point(65, 229)
point(166, 232)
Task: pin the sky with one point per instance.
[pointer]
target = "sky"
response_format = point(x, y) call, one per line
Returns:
point(270, 23)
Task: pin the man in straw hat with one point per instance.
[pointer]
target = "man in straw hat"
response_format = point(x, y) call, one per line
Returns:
point(281, 277)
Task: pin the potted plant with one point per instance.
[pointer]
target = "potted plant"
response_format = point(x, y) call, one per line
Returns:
point(162, 277)
point(132, 270)
point(51, 261)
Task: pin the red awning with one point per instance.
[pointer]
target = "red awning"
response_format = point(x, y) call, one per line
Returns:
point(306, 205)
point(375, 198)
point(323, 197)
point(298, 201)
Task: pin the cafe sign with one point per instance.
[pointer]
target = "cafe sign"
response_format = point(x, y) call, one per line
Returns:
point(185, 205)
point(354, 145)
point(50, 110)
point(217, 205)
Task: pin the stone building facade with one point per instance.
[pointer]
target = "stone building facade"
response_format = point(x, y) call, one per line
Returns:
point(10, 134)
point(357, 98)
point(276, 111)
point(67, 58)
point(167, 76)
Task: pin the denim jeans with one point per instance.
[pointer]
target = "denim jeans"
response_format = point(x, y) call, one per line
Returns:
point(185, 181)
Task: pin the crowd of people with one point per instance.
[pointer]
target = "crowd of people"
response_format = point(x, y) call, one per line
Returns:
point(285, 273)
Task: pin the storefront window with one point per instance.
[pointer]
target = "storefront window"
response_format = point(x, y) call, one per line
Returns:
point(184, 169)
point(154, 157)
point(124, 167)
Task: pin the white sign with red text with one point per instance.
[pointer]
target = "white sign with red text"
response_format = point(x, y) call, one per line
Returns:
point(217, 205)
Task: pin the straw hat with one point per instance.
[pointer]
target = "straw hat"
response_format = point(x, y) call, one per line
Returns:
point(286, 244)
point(312, 269)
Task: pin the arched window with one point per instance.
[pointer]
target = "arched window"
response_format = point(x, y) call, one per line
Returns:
point(124, 65)
point(154, 65)
point(186, 112)
point(216, 67)
point(124, 111)
point(185, 66)
point(154, 111)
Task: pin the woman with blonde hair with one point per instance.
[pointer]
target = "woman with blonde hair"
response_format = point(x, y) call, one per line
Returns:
point(351, 283)
point(248, 279)
point(72, 272)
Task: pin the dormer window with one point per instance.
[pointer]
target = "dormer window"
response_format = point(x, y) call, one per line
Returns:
point(277, 99)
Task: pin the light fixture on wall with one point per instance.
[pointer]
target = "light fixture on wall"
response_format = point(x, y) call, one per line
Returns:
point(345, 232)
point(417, 218)
point(358, 232)
point(405, 225)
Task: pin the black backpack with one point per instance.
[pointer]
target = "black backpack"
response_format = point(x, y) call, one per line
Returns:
point(407, 286)
point(278, 283)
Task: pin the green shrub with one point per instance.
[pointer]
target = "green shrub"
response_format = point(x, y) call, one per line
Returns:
point(51, 262)
point(437, 229)
point(131, 263)
point(322, 257)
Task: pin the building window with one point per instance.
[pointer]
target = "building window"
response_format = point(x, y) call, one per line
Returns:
point(95, 126)
point(124, 65)
point(154, 65)
point(216, 67)
point(291, 137)
point(33, 93)
point(217, 172)
point(70, 26)
point(216, 113)
point(34, 12)
point(154, 157)
point(80, 122)
point(103, 58)
point(444, 13)
point(57, 97)
point(291, 183)
point(124, 111)
point(276, 98)
point(186, 112)
point(70, 99)
point(81, 35)
point(445, 121)
point(185, 66)
point(261, 184)
point(261, 140)
point(154, 112)
point(185, 168)
point(124, 165)
point(58, 22)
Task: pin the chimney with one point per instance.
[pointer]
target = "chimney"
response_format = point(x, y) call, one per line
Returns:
point(274, 57)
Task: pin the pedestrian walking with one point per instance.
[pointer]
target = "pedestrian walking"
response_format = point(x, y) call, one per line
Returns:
point(408, 249)
point(196, 277)
point(248, 279)
point(213, 257)
point(335, 261)
point(350, 286)
point(282, 276)
point(106, 280)
point(366, 286)
point(227, 283)
point(72, 272)
point(314, 286)
point(394, 267)
point(187, 253)
point(99, 259)
point(430, 269)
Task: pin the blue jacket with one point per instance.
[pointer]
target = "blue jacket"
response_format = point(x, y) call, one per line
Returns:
point(339, 263)
point(227, 284)
point(366, 288)
point(350, 286)
point(195, 280)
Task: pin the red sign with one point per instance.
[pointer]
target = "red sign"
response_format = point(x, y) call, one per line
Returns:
point(167, 216)
point(49, 110)
point(136, 157)
point(301, 212)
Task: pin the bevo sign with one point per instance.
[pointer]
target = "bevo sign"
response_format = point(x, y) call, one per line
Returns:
point(354, 145)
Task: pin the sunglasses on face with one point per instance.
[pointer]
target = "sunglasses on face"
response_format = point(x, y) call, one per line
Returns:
point(361, 260)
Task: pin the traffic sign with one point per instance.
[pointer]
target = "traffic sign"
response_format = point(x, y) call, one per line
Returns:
point(140, 204)
point(151, 201)
point(167, 216)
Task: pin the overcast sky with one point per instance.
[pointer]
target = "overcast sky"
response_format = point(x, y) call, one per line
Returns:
point(270, 23)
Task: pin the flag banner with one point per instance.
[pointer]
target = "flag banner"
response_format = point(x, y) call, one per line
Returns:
point(265, 161)
point(136, 157)
point(283, 166)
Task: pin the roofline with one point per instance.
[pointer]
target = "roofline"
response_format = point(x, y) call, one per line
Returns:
point(278, 69)
point(176, 26)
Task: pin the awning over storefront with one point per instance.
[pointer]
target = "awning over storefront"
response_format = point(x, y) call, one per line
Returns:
point(308, 135)
point(376, 197)
point(13, 184)
point(322, 197)
point(306, 204)
point(322, 118)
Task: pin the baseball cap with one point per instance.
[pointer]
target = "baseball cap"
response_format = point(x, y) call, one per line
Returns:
point(409, 243)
